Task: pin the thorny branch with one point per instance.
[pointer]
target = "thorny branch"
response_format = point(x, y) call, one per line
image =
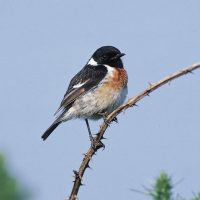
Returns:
point(111, 117)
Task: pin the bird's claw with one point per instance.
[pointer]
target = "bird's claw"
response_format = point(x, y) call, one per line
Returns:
point(106, 122)
point(95, 145)
point(104, 115)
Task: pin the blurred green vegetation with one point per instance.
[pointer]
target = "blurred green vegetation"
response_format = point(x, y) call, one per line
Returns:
point(162, 189)
point(9, 187)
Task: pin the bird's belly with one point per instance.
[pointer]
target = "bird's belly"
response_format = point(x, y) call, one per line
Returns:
point(99, 100)
point(106, 97)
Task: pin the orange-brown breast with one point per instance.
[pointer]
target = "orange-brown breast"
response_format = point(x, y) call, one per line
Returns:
point(118, 80)
point(113, 84)
point(109, 93)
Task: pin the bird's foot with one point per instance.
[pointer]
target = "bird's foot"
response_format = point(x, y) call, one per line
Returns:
point(95, 145)
point(104, 115)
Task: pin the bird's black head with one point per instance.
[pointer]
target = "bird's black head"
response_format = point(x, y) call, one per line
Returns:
point(107, 55)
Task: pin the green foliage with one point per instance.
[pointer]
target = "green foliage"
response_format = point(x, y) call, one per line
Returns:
point(162, 188)
point(9, 188)
point(196, 197)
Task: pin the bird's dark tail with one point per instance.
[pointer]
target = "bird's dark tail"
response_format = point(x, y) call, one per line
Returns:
point(50, 130)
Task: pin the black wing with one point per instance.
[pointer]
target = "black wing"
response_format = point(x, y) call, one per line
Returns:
point(88, 78)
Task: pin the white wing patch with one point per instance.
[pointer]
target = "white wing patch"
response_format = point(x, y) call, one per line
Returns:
point(109, 74)
point(79, 84)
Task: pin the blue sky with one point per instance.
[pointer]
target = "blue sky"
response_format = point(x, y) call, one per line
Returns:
point(44, 43)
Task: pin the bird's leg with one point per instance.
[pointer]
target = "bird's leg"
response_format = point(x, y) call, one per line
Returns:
point(92, 140)
point(89, 131)
point(104, 115)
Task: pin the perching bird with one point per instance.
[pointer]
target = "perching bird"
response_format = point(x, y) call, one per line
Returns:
point(98, 89)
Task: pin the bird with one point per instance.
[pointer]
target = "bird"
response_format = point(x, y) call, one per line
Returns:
point(95, 91)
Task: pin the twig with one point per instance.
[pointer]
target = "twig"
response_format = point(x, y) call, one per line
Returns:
point(131, 102)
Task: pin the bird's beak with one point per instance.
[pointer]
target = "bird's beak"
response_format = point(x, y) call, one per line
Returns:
point(119, 55)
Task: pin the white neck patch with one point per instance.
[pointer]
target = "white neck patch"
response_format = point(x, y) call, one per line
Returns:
point(110, 70)
point(92, 62)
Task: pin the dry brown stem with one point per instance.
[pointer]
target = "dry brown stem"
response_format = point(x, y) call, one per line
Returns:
point(131, 102)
